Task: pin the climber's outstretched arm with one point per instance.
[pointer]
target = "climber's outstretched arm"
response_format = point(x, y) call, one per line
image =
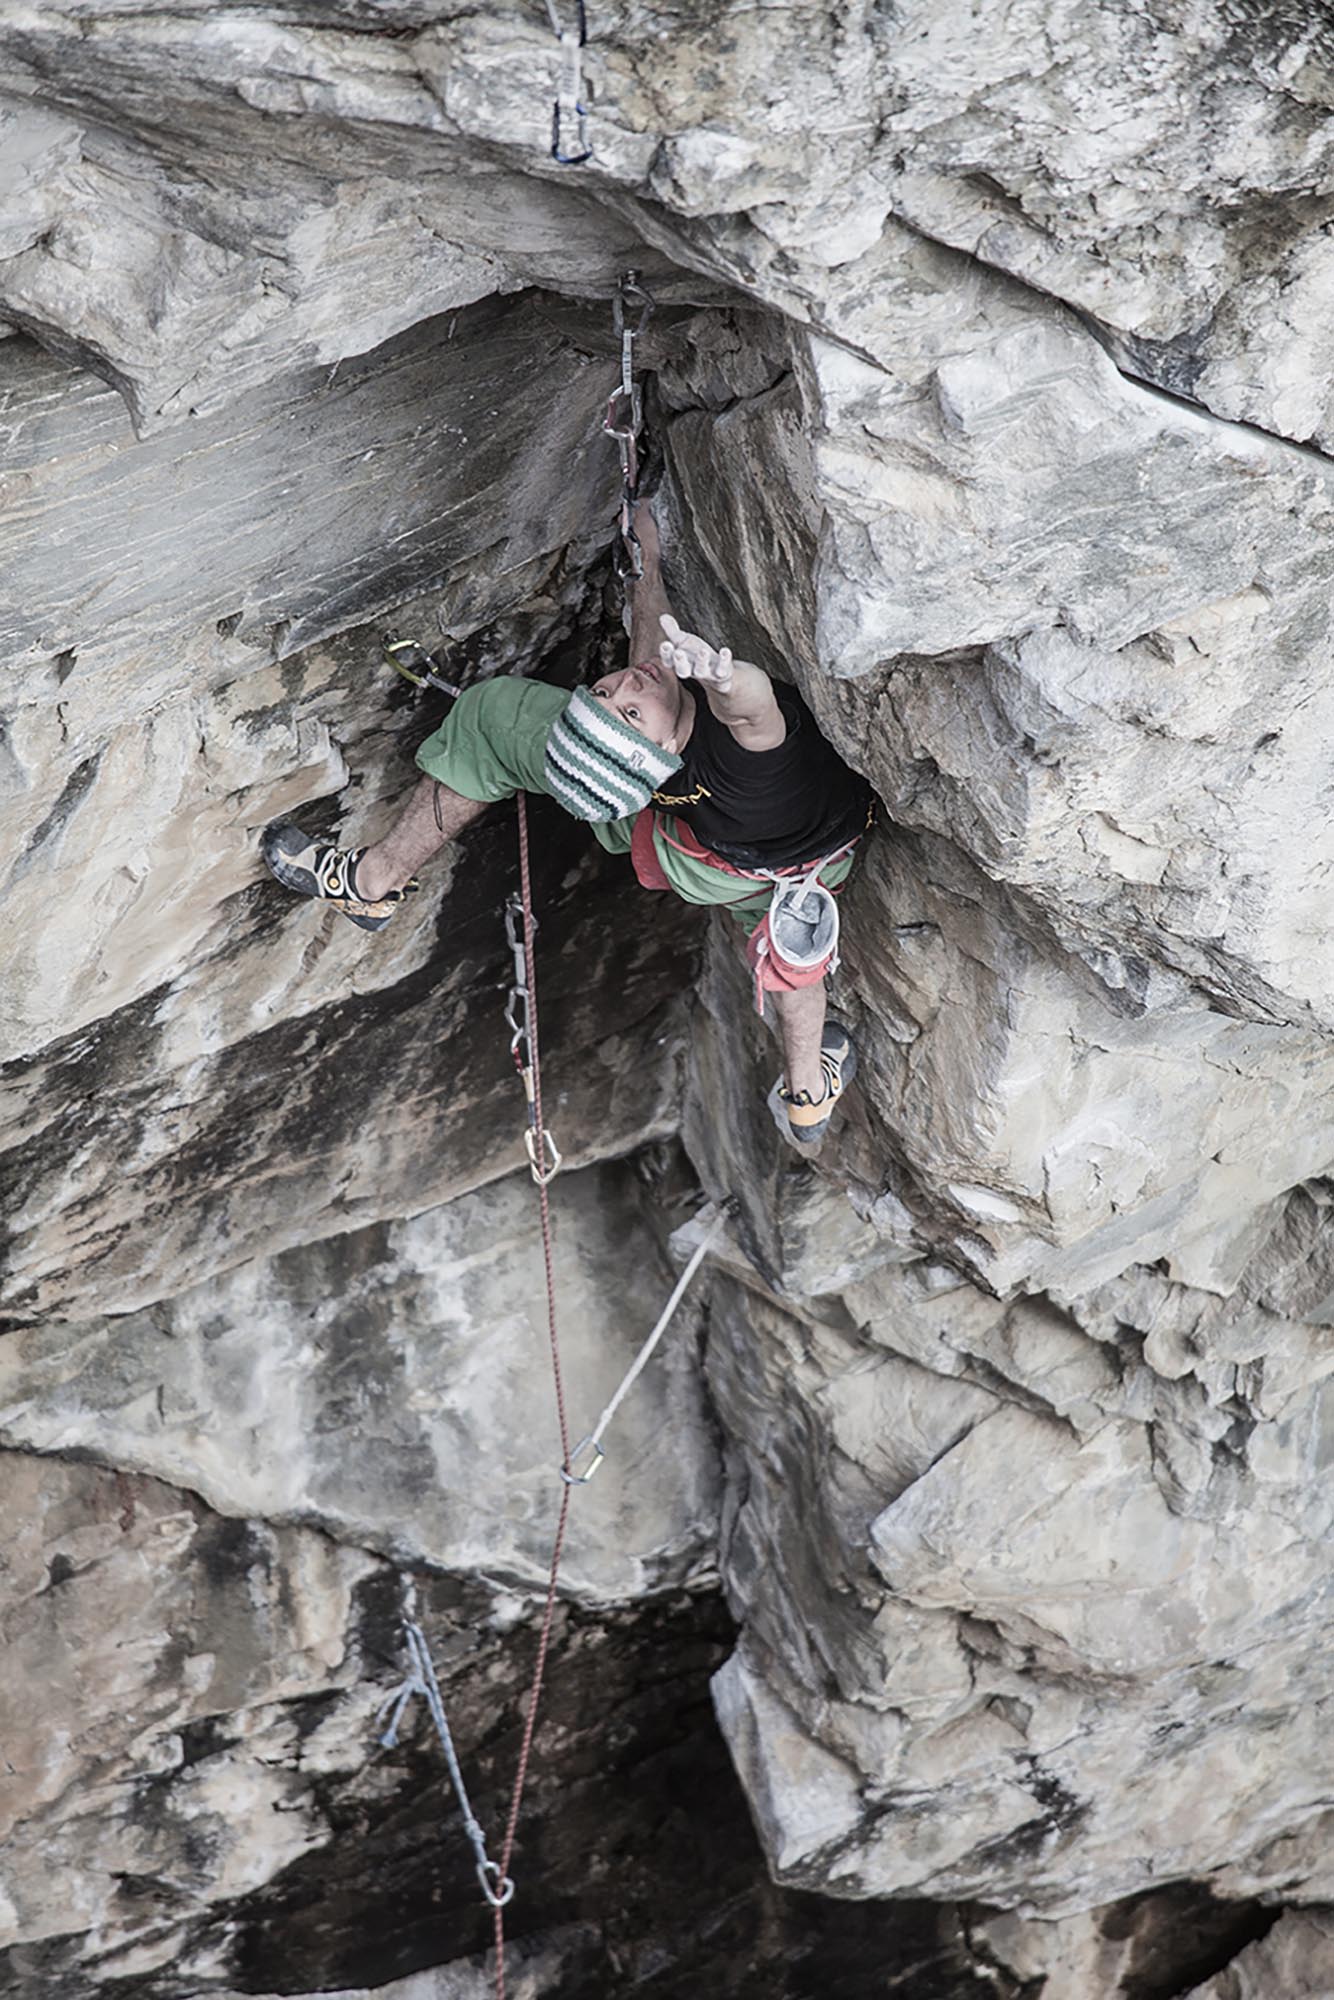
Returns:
point(648, 598)
point(740, 695)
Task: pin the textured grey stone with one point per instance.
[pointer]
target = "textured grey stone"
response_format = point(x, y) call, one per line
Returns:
point(143, 760)
point(332, 495)
point(1164, 1938)
point(195, 1795)
point(1131, 164)
point(1023, 1383)
point(215, 1619)
point(1296, 1960)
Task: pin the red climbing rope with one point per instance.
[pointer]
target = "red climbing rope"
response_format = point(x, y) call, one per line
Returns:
point(544, 1641)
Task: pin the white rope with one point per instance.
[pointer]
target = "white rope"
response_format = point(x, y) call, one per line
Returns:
point(593, 1442)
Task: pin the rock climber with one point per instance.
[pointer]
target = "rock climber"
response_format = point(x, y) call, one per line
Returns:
point(711, 776)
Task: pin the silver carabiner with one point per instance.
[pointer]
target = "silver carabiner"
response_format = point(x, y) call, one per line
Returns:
point(514, 937)
point(632, 418)
point(506, 1891)
point(518, 999)
point(542, 1174)
point(633, 567)
point(629, 286)
point(567, 1472)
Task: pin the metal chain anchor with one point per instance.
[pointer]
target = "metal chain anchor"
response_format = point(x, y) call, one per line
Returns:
point(546, 1164)
point(625, 417)
point(569, 113)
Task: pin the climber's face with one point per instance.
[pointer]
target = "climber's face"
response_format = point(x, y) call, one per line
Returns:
point(651, 700)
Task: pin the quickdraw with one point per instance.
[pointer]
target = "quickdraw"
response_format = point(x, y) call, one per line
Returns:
point(569, 112)
point(593, 1442)
point(536, 1152)
point(544, 1159)
point(625, 417)
point(415, 664)
point(421, 1679)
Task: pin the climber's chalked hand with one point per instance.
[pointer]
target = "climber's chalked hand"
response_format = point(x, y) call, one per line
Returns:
point(692, 658)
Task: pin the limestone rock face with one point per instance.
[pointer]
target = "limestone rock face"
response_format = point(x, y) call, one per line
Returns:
point(382, 1384)
point(1295, 1958)
point(988, 378)
point(196, 1791)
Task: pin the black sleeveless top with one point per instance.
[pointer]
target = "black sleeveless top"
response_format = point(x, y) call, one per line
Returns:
point(765, 808)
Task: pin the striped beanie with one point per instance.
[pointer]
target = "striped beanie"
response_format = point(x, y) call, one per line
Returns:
point(598, 766)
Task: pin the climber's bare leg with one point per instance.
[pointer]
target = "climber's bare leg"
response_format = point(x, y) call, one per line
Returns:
point(801, 1017)
point(432, 816)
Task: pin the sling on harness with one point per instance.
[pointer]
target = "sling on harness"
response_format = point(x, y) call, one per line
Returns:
point(800, 932)
point(798, 935)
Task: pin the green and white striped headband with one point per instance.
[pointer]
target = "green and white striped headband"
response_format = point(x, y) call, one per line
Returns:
point(598, 766)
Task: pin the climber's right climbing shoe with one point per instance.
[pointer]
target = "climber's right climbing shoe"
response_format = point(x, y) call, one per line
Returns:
point(326, 872)
point(801, 1118)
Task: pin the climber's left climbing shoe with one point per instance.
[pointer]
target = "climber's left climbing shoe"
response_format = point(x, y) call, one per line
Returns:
point(805, 1119)
point(329, 873)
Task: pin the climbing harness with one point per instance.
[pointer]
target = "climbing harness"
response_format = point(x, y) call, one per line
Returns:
point(797, 935)
point(625, 416)
point(593, 1442)
point(496, 1887)
point(544, 1158)
point(569, 113)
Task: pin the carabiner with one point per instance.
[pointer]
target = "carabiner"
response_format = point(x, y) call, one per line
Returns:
point(633, 417)
point(567, 1472)
point(543, 1175)
point(496, 1900)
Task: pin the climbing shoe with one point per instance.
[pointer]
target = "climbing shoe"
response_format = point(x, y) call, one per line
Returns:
point(805, 1119)
point(329, 873)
